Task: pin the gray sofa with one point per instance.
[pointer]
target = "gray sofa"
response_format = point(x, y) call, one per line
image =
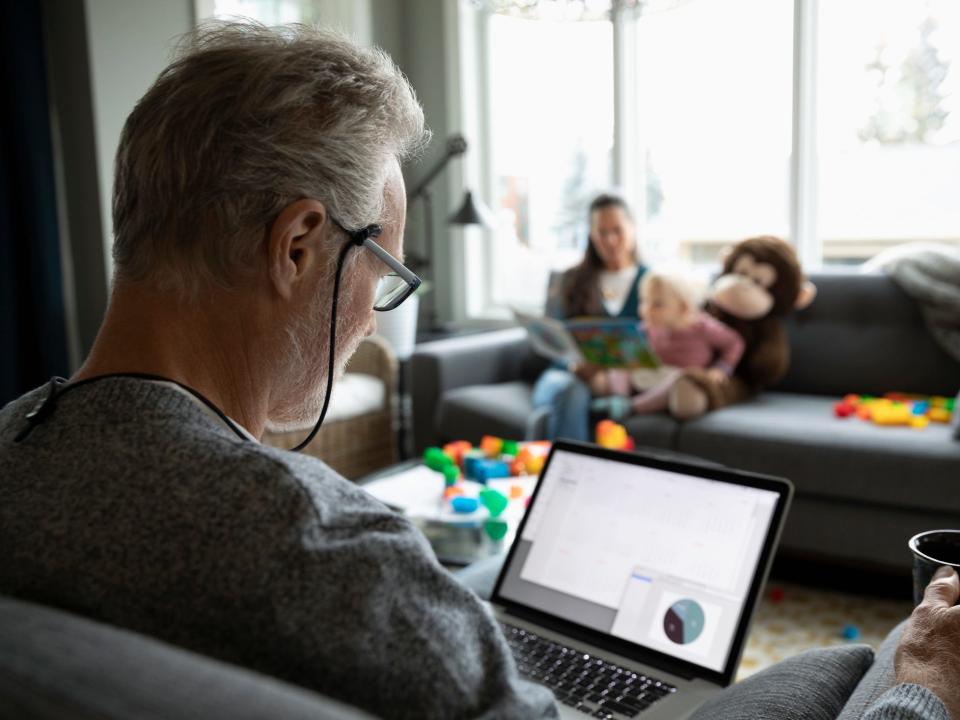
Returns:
point(56, 665)
point(862, 490)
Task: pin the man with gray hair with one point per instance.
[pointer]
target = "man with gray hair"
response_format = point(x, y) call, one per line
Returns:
point(258, 213)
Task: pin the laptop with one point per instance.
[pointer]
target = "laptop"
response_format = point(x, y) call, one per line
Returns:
point(633, 579)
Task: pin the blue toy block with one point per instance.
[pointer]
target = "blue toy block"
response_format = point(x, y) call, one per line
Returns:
point(850, 632)
point(470, 461)
point(489, 469)
point(465, 504)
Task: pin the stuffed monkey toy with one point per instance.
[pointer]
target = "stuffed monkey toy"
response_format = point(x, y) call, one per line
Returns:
point(761, 283)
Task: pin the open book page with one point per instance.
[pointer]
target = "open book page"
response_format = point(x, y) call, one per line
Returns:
point(613, 343)
point(549, 337)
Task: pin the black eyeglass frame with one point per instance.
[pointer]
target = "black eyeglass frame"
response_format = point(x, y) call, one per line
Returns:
point(364, 238)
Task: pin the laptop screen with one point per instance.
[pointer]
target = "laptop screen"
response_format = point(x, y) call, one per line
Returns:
point(657, 557)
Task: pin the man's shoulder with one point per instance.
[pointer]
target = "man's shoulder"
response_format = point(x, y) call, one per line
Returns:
point(317, 482)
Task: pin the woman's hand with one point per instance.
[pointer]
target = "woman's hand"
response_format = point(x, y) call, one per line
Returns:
point(584, 370)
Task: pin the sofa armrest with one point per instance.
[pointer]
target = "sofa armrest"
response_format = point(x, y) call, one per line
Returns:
point(374, 356)
point(443, 365)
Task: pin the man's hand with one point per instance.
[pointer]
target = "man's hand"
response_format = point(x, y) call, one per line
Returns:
point(929, 649)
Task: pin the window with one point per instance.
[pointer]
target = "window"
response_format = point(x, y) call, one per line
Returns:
point(711, 111)
point(551, 126)
point(888, 125)
point(695, 111)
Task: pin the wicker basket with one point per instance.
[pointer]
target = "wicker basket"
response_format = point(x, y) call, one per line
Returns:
point(358, 445)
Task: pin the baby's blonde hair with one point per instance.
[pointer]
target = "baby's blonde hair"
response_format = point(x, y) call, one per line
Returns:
point(683, 286)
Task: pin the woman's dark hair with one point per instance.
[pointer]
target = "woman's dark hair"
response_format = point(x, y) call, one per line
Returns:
point(580, 287)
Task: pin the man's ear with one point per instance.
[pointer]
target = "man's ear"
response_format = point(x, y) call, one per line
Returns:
point(294, 243)
point(808, 291)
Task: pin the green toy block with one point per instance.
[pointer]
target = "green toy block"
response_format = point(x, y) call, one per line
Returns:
point(450, 474)
point(435, 459)
point(510, 447)
point(494, 501)
point(495, 528)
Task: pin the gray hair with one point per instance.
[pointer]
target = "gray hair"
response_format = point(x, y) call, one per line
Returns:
point(245, 121)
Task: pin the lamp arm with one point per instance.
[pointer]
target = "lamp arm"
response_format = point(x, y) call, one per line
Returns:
point(456, 145)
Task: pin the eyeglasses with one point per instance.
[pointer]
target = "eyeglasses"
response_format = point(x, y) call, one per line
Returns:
point(393, 288)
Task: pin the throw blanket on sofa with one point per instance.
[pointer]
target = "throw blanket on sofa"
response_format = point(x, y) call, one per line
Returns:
point(929, 273)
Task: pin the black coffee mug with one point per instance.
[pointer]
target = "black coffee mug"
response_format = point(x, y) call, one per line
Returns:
point(932, 550)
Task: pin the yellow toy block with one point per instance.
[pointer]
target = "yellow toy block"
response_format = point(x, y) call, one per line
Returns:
point(939, 414)
point(919, 422)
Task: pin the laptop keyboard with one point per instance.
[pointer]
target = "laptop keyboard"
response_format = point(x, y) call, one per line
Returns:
point(593, 686)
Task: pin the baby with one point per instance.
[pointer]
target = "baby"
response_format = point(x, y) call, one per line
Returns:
point(681, 335)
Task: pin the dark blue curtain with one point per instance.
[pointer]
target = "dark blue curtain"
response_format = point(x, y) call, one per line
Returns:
point(33, 343)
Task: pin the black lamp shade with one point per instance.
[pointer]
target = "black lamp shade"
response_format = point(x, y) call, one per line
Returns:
point(472, 212)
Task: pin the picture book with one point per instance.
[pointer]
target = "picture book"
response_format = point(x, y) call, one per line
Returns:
point(604, 342)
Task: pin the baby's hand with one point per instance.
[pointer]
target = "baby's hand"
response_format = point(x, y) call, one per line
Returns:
point(718, 376)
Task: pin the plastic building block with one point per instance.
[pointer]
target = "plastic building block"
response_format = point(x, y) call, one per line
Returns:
point(850, 632)
point(470, 460)
point(435, 459)
point(456, 450)
point(496, 528)
point(451, 473)
point(452, 491)
point(919, 422)
point(465, 504)
point(491, 446)
point(613, 435)
point(510, 447)
point(516, 492)
point(494, 501)
point(939, 414)
point(485, 470)
point(517, 467)
point(844, 409)
point(891, 414)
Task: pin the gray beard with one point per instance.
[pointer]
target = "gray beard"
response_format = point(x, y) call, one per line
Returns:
point(305, 366)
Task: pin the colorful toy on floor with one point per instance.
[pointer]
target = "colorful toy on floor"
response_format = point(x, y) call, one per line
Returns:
point(613, 436)
point(897, 409)
point(850, 632)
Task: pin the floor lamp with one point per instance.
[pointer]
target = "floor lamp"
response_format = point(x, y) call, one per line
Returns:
point(470, 212)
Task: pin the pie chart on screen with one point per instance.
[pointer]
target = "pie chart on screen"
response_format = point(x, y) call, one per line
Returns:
point(683, 621)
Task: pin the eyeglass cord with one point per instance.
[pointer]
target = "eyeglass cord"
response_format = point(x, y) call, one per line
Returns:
point(45, 407)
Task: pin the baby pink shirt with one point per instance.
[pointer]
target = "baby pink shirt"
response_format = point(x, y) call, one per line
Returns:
point(704, 342)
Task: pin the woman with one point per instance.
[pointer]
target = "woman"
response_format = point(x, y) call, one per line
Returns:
point(603, 284)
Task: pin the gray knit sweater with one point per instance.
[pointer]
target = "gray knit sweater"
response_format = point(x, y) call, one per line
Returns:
point(132, 505)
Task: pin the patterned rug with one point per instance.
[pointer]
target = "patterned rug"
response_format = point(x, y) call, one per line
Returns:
point(793, 618)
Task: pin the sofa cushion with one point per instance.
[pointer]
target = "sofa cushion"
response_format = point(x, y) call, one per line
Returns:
point(813, 685)
point(797, 436)
point(863, 334)
point(57, 665)
point(469, 413)
point(655, 430)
